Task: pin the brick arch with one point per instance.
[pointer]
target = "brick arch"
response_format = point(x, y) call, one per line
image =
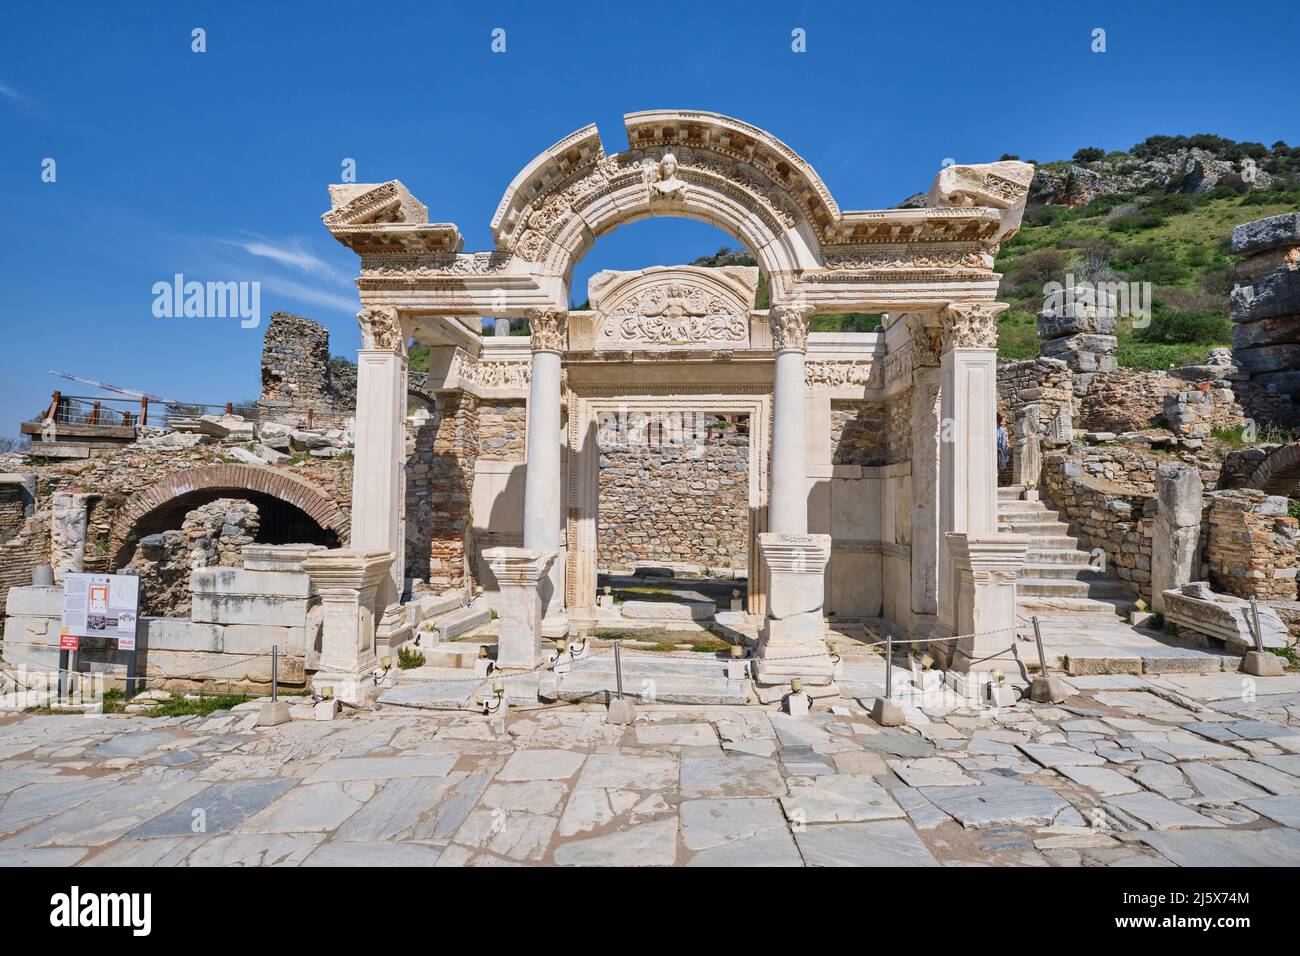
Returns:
point(228, 478)
point(1280, 472)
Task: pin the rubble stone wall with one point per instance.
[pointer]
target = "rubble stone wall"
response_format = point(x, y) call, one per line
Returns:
point(1110, 511)
point(860, 433)
point(1126, 400)
point(683, 503)
point(1251, 549)
point(12, 511)
point(297, 373)
point(502, 429)
point(440, 487)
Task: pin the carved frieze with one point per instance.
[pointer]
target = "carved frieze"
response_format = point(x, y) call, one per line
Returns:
point(841, 374)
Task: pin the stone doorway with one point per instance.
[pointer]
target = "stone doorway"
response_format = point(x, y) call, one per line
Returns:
point(603, 420)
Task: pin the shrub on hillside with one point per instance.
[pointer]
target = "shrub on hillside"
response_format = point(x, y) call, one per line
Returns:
point(1089, 154)
point(1175, 328)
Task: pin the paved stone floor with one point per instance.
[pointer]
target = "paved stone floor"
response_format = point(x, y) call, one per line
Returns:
point(1131, 771)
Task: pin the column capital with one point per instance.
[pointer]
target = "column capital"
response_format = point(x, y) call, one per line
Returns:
point(548, 329)
point(927, 342)
point(971, 325)
point(789, 327)
point(381, 330)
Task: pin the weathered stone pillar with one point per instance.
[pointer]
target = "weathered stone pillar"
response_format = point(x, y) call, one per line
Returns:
point(968, 455)
point(1176, 535)
point(1027, 447)
point(380, 452)
point(792, 639)
point(787, 507)
point(926, 345)
point(68, 523)
point(985, 566)
point(350, 583)
point(518, 572)
point(543, 505)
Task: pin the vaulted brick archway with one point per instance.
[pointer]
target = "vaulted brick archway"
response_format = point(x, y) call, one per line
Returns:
point(229, 481)
point(1280, 472)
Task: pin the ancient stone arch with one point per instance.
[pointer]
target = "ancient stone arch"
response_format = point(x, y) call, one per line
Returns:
point(233, 478)
point(931, 513)
point(1279, 474)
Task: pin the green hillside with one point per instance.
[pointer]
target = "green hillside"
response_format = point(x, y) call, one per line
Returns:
point(1177, 242)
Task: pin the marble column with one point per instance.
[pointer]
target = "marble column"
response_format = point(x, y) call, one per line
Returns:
point(926, 345)
point(543, 503)
point(787, 507)
point(350, 583)
point(380, 453)
point(1175, 537)
point(967, 435)
point(792, 640)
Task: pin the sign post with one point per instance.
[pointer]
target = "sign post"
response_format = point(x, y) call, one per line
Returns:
point(101, 605)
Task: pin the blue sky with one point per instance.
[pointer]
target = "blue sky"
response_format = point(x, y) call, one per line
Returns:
point(215, 164)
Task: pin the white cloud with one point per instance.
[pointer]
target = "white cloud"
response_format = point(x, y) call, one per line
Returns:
point(291, 253)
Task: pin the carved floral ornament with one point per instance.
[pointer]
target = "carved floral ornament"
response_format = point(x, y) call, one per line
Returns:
point(674, 313)
point(548, 329)
point(789, 328)
point(381, 330)
point(971, 325)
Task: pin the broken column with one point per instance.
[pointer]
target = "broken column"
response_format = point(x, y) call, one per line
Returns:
point(1265, 302)
point(349, 583)
point(1175, 538)
point(68, 533)
point(518, 571)
point(792, 642)
point(1077, 326)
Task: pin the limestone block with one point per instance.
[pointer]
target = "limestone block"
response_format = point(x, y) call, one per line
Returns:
point(35, 602)
point(215, 608)
point(278, 557)
point(258, 639)
point(36, 657)
point(1179, 491)
point(1196, 607)
point(1278, 330)
point(1262, 234)
point(25, 629)
point(1268, 358)
point(1274, 294)
point(235, 581)
point(1075, 319)
point(669, 610)
point(177, 634)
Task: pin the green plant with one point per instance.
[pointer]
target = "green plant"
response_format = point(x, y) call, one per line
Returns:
point(1173, 328)
point(408, 659)
point(1293, 508)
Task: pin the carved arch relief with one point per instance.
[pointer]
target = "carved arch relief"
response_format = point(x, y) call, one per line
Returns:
point(673, 306)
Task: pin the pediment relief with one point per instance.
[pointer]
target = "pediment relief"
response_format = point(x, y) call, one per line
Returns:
point(673, 306)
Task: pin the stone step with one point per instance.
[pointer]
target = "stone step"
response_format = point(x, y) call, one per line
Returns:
point(1035, 526)
point(1055, 556)
point(1050, 607)
point(460, 621)
point(1080, 571)
point(1065, 587)
point(457, 654)
point(1054, 542)
point(1024, 508)
point(1011, 492)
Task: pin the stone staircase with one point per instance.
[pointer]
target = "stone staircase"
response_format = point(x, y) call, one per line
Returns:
point(1057, 579)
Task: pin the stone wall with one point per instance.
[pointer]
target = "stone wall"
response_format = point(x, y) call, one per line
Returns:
point(13, 512)
point(238, 615)
point(502, 429)
point(1112, 504)
point(859, 433)
point(297, 373)
point(682, 503)
point(213, 535)
point(1126, 400)
point(22, 554)
point(1252, 545)
point(440, 486)
point(1265, 302)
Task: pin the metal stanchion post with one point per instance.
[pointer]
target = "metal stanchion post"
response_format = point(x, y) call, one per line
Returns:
point(275, 662)
point(274, 711)
point(884, 711)
point(621, 710)
point(1044, 688)
point(889, 665)
point(1259, 662)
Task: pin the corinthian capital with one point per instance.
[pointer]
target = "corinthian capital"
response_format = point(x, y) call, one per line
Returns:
point(971, 325)
point(547, 326)
point(789, 328)
point(927, 342)
point(381, 329)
